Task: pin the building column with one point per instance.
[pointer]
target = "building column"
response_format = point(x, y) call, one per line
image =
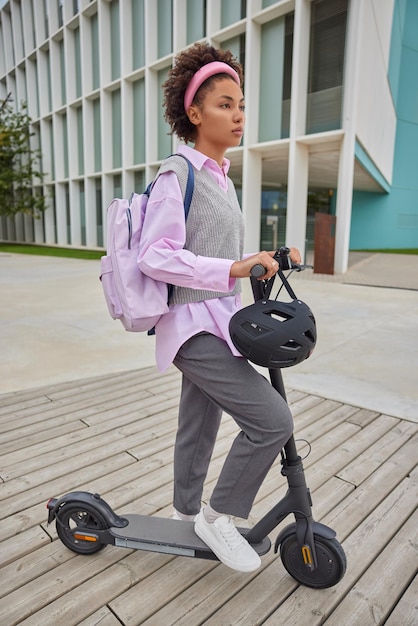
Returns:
point(344, 202)
point(297, 186)
point(297, 196)
point(346, 164)
point(251, 199)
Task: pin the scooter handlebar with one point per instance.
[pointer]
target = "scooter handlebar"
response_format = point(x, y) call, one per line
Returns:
point(284, 263)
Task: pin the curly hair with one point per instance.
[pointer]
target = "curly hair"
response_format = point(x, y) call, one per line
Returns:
point(186, 64)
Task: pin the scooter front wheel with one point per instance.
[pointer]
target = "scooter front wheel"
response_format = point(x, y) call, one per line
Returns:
point(331, 559)
point(76, 525)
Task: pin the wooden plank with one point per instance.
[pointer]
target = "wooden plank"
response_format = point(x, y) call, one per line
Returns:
point(102, 617)
point(64, 393)
point(125, 418)
point(372, 597)
point(56, 413)
point(78, 472)
point(24, 543)
point(29, 567)
point(363, 417)
point(14, 446)
point(314, 413)
point(406, 610)
point(80, 442)
point(374, 489)
point(367, 462)
point(345, 454)
point(35, 595)
point(312, 430)
point(98, 580)
point(173, 578)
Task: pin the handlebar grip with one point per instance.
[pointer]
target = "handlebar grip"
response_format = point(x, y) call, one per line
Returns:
point(257, 270)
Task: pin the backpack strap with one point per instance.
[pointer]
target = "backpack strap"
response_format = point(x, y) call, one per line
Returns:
point(188, 195)
point(189, 187)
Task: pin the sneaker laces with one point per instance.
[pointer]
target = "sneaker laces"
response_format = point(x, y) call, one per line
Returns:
point(231, 535)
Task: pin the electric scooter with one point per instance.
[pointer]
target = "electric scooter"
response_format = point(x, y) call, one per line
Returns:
point(309, 550)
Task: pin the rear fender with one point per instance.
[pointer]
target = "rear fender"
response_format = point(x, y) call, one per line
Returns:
point(82, 498)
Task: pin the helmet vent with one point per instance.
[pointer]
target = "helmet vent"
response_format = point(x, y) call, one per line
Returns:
point(309, 335)
point(291, 345)
point(278, 316)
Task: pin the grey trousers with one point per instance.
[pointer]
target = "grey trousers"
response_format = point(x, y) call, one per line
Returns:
point(214, 381)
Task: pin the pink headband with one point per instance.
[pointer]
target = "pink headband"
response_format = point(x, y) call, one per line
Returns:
point(205, 72)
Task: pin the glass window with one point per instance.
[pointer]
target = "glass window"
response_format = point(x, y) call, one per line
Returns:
point(54, 212)
point(82, 200)
point(97, 136)
point(99, 215)
point(139, 120)
point(328, 28)
point(139, 181)
point(46, 25)
point(138, 38)
point(271, 80)
point(116, 129)
point(164, 138)
point(95, 51)
point(117, 186)
point(275, 78)
point(237, 47)
point(62, 69)
point(165, 27)
point(77, 55)
point(80, 149)
point(232, 11)
point(60, 12)
point(67, 212)
point(287, 74)
point(273, 218)
point(65, 143)
point(49, 126)
point(196, 20)
point(30, 31)
point(115, 39)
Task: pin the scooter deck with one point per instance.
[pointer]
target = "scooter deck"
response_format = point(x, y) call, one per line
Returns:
point(151, 533)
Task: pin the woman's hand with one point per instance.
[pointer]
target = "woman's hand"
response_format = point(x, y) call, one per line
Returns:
point(295, 255)
point(242, 269)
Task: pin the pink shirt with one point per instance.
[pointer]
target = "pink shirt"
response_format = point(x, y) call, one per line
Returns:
point(163, 257)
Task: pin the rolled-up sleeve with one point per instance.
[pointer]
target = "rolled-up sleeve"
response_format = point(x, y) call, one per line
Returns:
point(162, 255)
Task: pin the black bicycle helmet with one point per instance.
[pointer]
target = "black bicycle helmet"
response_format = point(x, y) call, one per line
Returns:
point(274, 334)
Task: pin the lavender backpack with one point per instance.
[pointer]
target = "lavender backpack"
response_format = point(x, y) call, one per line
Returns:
point(134, 298)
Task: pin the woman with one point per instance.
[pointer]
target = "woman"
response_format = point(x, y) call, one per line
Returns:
point(203, 259)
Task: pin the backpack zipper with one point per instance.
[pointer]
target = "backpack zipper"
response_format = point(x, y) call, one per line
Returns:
point(129, 219)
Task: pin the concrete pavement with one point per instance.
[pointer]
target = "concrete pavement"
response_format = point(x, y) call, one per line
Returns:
point(54, 327)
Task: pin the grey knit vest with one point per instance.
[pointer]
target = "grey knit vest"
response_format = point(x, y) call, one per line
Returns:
point(214, 227)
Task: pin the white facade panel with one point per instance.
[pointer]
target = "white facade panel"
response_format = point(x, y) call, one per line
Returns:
point(375, 115)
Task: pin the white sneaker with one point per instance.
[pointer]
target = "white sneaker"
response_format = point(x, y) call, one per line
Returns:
point(227, 543)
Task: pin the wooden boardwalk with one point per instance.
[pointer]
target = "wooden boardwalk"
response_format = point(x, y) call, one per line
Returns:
point(114, 435)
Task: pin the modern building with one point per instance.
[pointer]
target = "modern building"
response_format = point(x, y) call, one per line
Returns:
point(331, 92)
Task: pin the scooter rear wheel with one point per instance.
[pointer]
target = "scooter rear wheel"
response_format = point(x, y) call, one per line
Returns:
point(332, 562)
point(73, 518)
